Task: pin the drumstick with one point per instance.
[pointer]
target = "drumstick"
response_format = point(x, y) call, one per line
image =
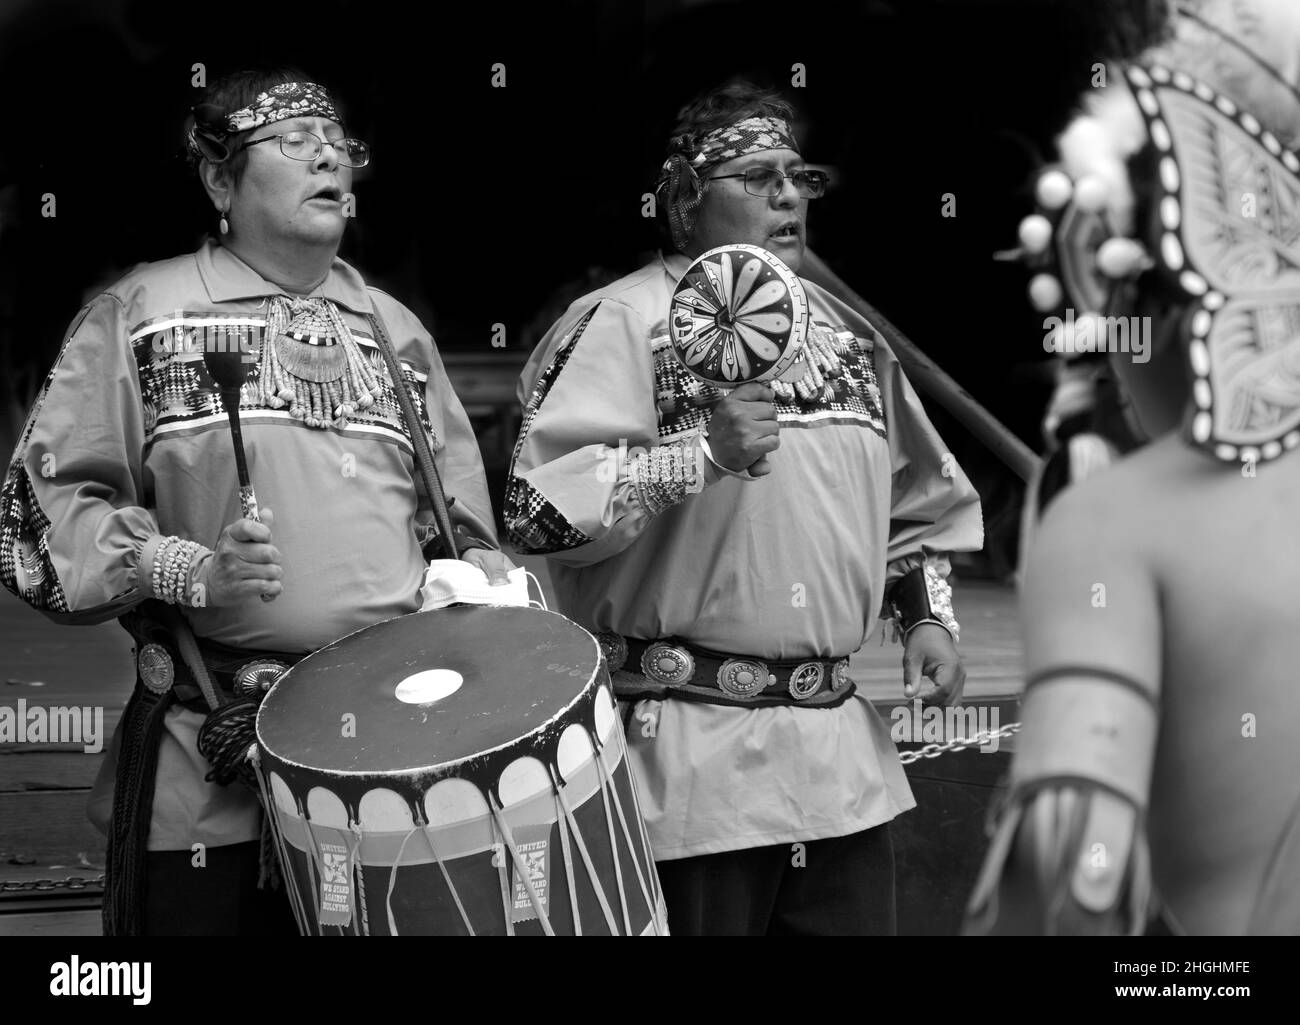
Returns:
point(230, 370)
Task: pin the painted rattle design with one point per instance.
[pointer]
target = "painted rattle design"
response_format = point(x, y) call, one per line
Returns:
point(739, 315)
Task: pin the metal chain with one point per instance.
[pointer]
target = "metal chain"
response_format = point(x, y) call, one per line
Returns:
point(957, 743)
point(44, 885)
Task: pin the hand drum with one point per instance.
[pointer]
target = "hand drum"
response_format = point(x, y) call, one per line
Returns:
point(739, 315)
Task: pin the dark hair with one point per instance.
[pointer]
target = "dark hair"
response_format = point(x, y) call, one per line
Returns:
point(722, 106)
point(231, 92)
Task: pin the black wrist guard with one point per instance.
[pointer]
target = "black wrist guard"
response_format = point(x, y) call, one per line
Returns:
point(919, 596)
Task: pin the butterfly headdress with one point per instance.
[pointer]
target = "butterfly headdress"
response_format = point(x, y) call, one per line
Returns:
point(1212, 225)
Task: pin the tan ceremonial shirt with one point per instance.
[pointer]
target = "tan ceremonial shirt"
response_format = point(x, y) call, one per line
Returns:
point(142, 451)
point(787, 566)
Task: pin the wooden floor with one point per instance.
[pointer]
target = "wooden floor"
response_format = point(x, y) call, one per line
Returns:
point(44, 833)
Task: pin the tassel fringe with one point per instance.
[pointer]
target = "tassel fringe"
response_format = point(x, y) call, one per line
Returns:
point(1059, 817)
point(312, 365)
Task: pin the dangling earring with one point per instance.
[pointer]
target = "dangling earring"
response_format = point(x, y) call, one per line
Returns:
point(224, 226)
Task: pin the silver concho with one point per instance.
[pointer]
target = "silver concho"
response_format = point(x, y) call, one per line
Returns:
point(667, 663)
point(615, 648)
point(742, 677)
point(255, 678)
point(806, 680)
point(156, 670)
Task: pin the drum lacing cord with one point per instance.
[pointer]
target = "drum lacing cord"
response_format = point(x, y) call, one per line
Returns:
point(646, 846)
point(455, 894)
point(602, 780)
point(607, 780)
point(392, 880)
point(354, 857)
point(524, 877)
point(503, 880)
point(272, 831)
point(567, 851)
point(586, 855)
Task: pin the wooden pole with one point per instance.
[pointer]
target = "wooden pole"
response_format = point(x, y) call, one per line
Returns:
point(929, 377)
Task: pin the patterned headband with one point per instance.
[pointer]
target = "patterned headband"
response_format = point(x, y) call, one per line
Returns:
point(680, 186)
point(752, 135)
point(279, 103)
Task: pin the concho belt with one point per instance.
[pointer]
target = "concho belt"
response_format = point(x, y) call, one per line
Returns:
point(672, 668)
point(237, 672)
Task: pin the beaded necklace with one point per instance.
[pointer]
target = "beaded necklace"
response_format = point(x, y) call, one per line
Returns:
point(311, 363)
point(821, 360)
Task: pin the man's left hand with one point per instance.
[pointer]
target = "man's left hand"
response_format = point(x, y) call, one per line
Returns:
point(930, 652)
point(493, 564)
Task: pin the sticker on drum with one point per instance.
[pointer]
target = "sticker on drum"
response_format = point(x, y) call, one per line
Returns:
point(739, 314)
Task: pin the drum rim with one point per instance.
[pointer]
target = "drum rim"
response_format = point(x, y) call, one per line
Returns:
point(437, 767)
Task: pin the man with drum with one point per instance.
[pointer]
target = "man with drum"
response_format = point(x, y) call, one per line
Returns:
point(121, 499)
point(730, 556)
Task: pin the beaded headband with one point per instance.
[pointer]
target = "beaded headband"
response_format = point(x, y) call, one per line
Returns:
point(679, 185)
point(279, 103)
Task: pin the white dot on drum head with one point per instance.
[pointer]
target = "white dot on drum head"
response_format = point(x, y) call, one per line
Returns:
point(429, 686)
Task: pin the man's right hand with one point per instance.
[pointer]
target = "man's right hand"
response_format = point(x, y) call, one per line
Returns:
point(744, 429)
point(244, 566)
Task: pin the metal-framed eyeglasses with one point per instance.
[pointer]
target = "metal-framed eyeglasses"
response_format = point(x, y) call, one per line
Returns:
point(301, 145)
point(769, 181)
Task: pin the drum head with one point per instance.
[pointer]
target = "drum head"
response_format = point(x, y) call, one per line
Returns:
point(739, 314)
point(428, 690)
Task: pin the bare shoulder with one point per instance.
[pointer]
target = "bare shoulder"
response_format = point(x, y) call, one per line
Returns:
point(1125, 508)
point(1091, 584)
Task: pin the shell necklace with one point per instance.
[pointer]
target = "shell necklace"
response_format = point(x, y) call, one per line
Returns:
point(311, 363)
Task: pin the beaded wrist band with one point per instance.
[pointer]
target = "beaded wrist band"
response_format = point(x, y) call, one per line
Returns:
point(665, 475)
point(922, 595)
point(172, 563)
point(167, 586)
point(189, 554)
point(156, 570)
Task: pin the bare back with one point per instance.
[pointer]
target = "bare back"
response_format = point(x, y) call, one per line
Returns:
point(1200, 567)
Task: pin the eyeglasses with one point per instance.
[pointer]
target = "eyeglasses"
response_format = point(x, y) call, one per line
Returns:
point(307, 146)
point(768, 181)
